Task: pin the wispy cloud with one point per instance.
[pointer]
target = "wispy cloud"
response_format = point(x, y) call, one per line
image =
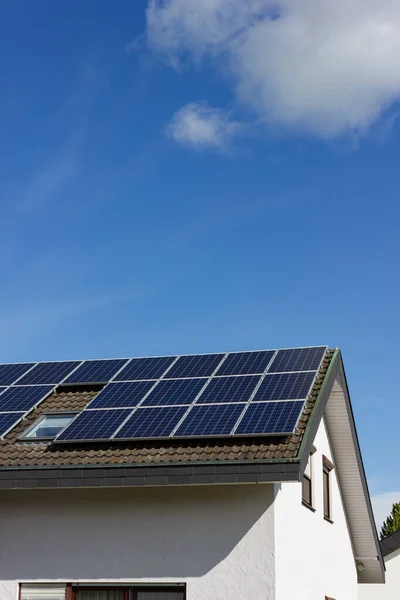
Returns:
point(202, 126)
point(326, 68)
point(382, 505)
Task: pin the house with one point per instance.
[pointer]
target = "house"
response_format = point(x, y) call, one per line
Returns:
point(390, 548)
point(231, 476)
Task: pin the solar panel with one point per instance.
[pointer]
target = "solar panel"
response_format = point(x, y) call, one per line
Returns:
point(229, 389)
point(121, 395)
point(246, 363)
point(210, 419)
point(196, 365)
point(8, 420)
point(145, 368)
point(297, 359)
point(94, 425)
point(48, 373)
point(270, 417)
point(10, 373)
point(152, 422)
point(174, 391)
point(285, 386)
point(23, 398)
point(96, 371)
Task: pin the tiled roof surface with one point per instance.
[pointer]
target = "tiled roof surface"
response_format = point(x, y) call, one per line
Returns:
point(14, 453)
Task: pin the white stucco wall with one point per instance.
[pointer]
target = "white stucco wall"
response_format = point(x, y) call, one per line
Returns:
point(391, 589)
point(314, 558)
point(218, 539)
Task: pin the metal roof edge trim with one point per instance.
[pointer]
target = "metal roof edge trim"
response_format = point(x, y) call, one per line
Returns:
point(318, 411)
point(360, 464)
point(390, 544)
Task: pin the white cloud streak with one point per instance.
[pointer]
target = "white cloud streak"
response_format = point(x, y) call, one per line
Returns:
point(382, 505)
point(202, 127)
point(326, 67)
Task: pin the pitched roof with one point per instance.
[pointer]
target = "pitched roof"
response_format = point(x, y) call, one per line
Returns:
point(390, 544)
point(15, 453)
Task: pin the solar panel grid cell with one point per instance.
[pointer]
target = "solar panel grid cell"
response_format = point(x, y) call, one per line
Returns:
point(12, 372)
point(297, 359)
point(48, 373)
point(284, 386)
point(196, 365)
point(23, 398)
point(209, 420)
point(96, 371)
point(94, 425)
point(157, 422)
point(229, 389)
point(121, 395)
point(246, 363)
point(270, 417)
point(145, 368)
point(174, 391)
point(8, 420)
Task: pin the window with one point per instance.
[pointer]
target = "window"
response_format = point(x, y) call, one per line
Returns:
point(307, 495)
point(67, 591)
point(48, 426)
point(327, 467)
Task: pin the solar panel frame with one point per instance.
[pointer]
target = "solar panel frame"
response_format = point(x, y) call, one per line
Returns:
point(162, 419)
point(175, 392)
point(96, 371)
point(8, 420)
point(146, 368)
point(254, 362)
point(284, 415)
point(187, 366)
point(297, 359)
point(105, 420)
point(56, 372)
point(23, 398)
point(11, 372)
point(229, 389)
point(121, 394)
point(209, 420)
point(285, 386)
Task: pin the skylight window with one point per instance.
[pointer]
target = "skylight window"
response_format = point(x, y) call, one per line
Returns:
point(48, 426)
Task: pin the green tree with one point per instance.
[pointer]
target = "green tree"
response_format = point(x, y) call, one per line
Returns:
point(392, 523)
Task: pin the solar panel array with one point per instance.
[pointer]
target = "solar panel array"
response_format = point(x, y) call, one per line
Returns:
point(241, 393)
point(237, 394)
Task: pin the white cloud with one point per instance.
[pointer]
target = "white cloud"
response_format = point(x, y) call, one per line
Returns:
point(323, 66)
point(382, 505)
point(201, 126)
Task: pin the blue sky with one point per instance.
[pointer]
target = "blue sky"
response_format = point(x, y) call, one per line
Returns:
point(158, 199)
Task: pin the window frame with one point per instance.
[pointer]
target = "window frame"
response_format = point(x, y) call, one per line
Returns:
point(309, 480)
point(23, 437)
point(327, 468)
point(130, 591)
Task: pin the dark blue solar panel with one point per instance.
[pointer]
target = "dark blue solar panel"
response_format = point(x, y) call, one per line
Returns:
point(23, 398)
point(285, 386)
point(10, 373)
point(96, 371)
point(196, 365)
point(174, 391)
point(270, 417)
point(145, 368)
point(7, 420)
point(210, 419)
point(94, 425)
point(229, 389)
point(152, 422)
point(121, 395)
point(246, 363)
point(297, 359)
point(48, 373)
